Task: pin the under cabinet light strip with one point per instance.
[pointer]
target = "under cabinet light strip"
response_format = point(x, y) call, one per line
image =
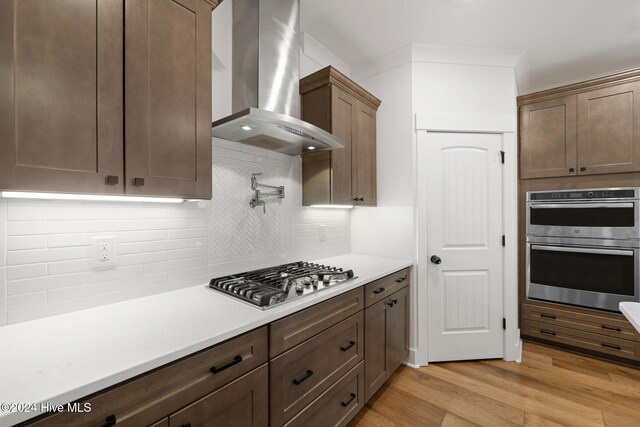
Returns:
point(332, 206)
point(103, 198)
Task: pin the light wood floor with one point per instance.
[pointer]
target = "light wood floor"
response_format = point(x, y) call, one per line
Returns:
point(549, 388)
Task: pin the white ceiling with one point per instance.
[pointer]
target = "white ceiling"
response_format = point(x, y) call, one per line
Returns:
point(565, 40)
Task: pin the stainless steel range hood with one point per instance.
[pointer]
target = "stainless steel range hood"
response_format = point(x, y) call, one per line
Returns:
point(266, 72)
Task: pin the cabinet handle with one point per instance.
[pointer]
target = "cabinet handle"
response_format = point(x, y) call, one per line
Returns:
point(391, 303)
point(402, 279)
point(345, 404)
point(112, 180)
point(138, 182)
point(548, 316)
point(611, 328)
point(229, 364)
point(582, 169)
point(304, 378)
point(611, 346)
point(572, 169)
point(379, 291)
point(351, 344)
point(544, 331)
point(109, 421)
point(186, 425)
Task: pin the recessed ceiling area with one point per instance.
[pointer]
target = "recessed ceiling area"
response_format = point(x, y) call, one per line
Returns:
point(564, 41)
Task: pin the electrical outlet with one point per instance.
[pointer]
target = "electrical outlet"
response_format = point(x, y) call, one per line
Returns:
point(323, 232)
point(104, 252)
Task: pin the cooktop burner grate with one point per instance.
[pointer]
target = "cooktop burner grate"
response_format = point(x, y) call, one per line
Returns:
point(271, 286)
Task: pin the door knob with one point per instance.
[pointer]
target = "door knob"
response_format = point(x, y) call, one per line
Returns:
point(436, 259)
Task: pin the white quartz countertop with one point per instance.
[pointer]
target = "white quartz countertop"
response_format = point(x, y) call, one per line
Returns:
point(631, 310)
point(62, 358)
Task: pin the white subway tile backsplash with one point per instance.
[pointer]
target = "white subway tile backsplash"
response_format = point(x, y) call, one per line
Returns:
point(45, 283)
point(3, 296)
point(64, 294)
point(16, 243)
point(15, 272)
point(33, 299)
point(46, 244)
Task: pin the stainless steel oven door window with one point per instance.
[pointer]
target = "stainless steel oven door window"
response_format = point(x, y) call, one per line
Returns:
point(597, 277)
point(598, 220)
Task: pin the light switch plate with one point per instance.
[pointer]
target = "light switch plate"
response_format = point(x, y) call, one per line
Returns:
point(103, 253)
point(323, 232)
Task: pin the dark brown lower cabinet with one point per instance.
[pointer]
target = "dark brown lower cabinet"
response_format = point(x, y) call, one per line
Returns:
point(336, 406)
point(242, 403)
point(386, 339)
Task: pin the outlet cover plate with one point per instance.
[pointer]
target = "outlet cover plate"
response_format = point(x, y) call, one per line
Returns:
point(103, 252)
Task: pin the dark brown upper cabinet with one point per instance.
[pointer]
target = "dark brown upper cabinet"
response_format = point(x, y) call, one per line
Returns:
point(168, 98)
point(344, 176)
point(548, 138)
point(86, 85)
point(61, 103)
point(586, 128)
point(609, 129)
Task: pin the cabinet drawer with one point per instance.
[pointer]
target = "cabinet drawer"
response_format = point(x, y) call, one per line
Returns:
point(303, 373)
point(594, 342)
point(604, 325)
point(336, 406)
point(148, 398)
point(292, 330)
point(382, 288)
point(244, 402)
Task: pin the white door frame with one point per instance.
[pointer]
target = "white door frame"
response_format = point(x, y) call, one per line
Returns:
point(505, 126)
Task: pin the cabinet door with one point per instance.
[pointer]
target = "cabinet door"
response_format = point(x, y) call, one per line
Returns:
point(168, 98)
point(364, 156)
point(61, 124)
point(548, 138)
point(242, 403)
point(343, 113)
point(377, 325)
point(399, 330)
point(609, 129)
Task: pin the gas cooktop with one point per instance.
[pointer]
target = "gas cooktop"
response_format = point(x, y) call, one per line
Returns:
point(268, 287)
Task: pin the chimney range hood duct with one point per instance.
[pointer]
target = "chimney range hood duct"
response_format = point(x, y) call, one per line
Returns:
point(266, 64)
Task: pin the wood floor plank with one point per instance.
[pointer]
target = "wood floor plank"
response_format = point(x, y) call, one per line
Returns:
point(550, 388)
point(459, 401)
point(452, 420)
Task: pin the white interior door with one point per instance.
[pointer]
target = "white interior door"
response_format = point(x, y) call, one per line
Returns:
point(464, 240)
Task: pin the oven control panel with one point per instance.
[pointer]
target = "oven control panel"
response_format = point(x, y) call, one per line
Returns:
point(583, 194)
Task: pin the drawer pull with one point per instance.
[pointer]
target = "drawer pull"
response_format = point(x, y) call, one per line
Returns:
point(548, 316)
point(402, 279)
point(345, 404)
point(544, 331)
point(611, 328)
point(304, 378)
point(351, 344)
point(390, 303)
point(186, 425)
point(229, 364)
point(109, 421)
point(611, 346)
point(379, 291)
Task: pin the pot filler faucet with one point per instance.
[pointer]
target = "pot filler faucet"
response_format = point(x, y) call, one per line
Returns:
point(257, 193)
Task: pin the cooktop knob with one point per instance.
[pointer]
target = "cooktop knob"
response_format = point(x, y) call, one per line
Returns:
point(590, 194)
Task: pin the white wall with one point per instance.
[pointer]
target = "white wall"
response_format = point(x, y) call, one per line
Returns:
point(45, 266)
point(419, 79)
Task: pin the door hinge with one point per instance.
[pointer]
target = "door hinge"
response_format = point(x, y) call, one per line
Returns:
point(504, 323)
point(504, 240)
point(502, 156)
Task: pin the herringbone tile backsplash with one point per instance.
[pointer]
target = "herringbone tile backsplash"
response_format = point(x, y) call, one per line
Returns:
point(45, 265)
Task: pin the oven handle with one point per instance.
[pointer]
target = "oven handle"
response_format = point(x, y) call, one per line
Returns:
point(619, 252)
point(580, 205)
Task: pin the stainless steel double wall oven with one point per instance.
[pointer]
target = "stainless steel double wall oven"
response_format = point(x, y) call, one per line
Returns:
point(583, 246)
